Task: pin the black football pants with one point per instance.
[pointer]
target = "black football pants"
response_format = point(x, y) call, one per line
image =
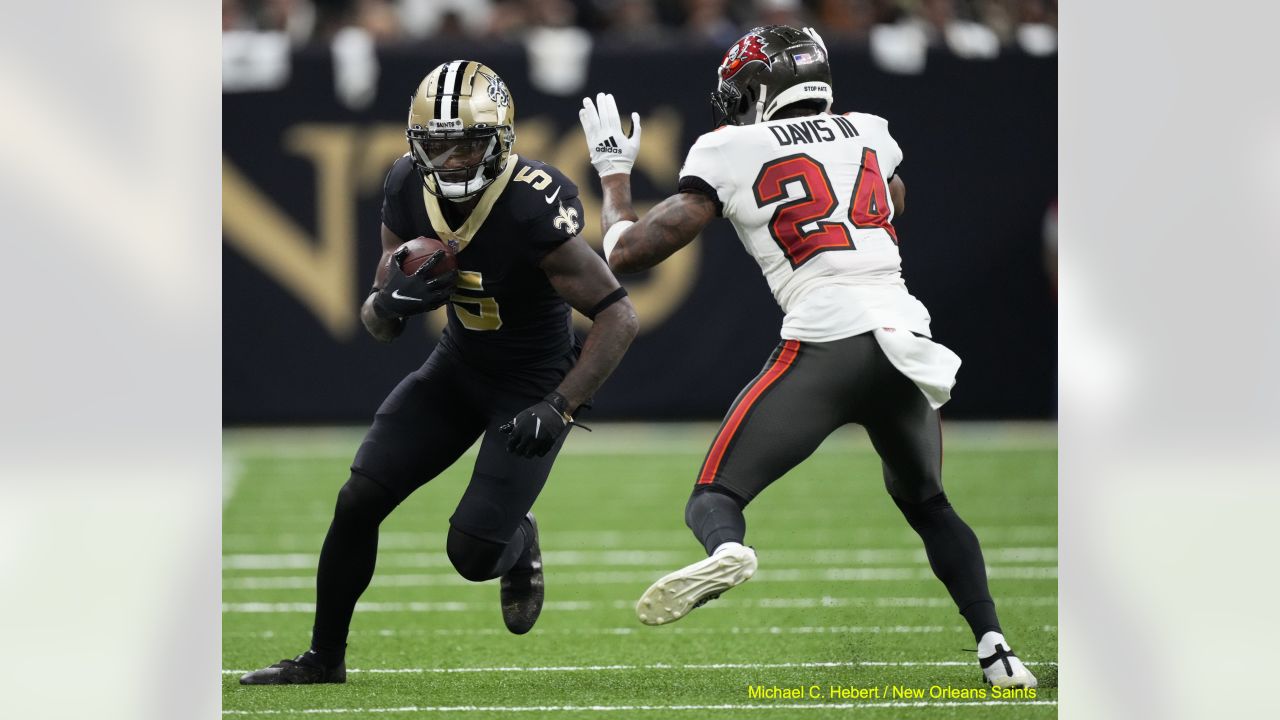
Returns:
point(427, 422)
point(804, 393)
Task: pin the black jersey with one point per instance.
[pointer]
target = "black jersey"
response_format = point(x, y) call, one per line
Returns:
point(504, 315)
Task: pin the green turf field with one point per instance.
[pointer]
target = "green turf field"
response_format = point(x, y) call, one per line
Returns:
point(843, 599)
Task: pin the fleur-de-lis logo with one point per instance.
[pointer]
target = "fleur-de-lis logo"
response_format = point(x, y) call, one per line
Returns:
point(567, 219)
point(497, 90)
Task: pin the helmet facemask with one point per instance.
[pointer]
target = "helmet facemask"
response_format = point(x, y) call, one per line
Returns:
point(457, 165)
point(730, 105)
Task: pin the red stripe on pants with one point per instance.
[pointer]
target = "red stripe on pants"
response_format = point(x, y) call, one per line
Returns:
point(730, 428)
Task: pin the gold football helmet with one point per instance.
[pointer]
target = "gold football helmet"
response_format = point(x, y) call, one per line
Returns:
point(461, 128)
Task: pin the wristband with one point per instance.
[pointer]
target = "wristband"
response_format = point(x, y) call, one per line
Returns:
point(560, 404)
point(612, 237)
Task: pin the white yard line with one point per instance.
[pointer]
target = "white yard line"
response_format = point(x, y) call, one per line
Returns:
point(678, 630)
point(772, 630)
point(618, 540)
point(587, 605)
point(831, 601)
point(789, 707)
point(660, 666)
point(766, 602)
point(449, 579)
point(648, 558)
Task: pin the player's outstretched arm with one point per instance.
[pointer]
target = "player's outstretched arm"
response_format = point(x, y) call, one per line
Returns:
point(669, 226)
point(582, 279)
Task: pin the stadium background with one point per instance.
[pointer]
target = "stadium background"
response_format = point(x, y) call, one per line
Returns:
point(310, 128)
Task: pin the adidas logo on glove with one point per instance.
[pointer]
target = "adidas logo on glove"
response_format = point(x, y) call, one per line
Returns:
point(609, 146)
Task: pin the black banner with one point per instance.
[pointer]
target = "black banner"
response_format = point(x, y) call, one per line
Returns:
point(302, 180)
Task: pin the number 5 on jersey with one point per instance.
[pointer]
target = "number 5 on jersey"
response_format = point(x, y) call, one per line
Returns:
point(485, 315)
point(869, 208)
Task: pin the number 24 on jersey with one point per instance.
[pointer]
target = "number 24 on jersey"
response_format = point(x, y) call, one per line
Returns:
point(869, 208)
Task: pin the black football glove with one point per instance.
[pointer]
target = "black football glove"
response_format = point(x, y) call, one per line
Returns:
point(535, 429)
point(407, 295)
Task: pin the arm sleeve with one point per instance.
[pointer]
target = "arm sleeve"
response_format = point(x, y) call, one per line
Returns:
point(394, 214)
point(704, 172)
point(695, 184)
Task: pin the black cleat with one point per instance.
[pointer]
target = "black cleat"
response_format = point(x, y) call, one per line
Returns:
point(305, 669)
point(521, 589)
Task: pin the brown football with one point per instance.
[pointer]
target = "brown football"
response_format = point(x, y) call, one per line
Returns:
point(420, 250)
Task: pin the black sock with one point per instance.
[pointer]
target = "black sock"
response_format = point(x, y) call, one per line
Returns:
point(956, 559)
point(715, 517)
point(981, 616)
point(323, 658)
point(346, 563)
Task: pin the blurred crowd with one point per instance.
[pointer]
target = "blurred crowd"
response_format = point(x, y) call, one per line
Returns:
point(975, 27)
point(259, 36)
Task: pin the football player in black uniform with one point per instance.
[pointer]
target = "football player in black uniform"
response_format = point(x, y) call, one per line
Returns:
point(505, 369)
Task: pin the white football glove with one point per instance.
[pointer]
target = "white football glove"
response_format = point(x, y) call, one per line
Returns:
point(611, 151)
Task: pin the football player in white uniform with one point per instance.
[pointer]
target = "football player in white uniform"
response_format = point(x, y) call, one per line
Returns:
point(812, 195)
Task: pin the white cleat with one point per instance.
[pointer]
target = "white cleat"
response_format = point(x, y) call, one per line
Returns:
point(678, 593)
point(1000, 667)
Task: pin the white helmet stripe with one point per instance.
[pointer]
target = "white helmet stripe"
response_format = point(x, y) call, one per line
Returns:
point(449, 88)
point(436, 91)
point(803, 91)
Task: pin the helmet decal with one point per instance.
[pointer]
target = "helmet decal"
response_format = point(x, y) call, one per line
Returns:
point(744, 52)
point(805, 58)
point(497, 90)
point(454, 125)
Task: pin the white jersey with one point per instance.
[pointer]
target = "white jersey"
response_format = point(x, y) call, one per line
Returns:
point(809, 198)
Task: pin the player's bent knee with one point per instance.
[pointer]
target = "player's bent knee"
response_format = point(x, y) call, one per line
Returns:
point(925, 510)
point(710, 497)
point(473, 558)
point(361, 501)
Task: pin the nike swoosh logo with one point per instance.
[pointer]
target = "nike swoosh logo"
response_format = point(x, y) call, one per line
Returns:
point(552, 197)
point(537, 428)
point(396, 294)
